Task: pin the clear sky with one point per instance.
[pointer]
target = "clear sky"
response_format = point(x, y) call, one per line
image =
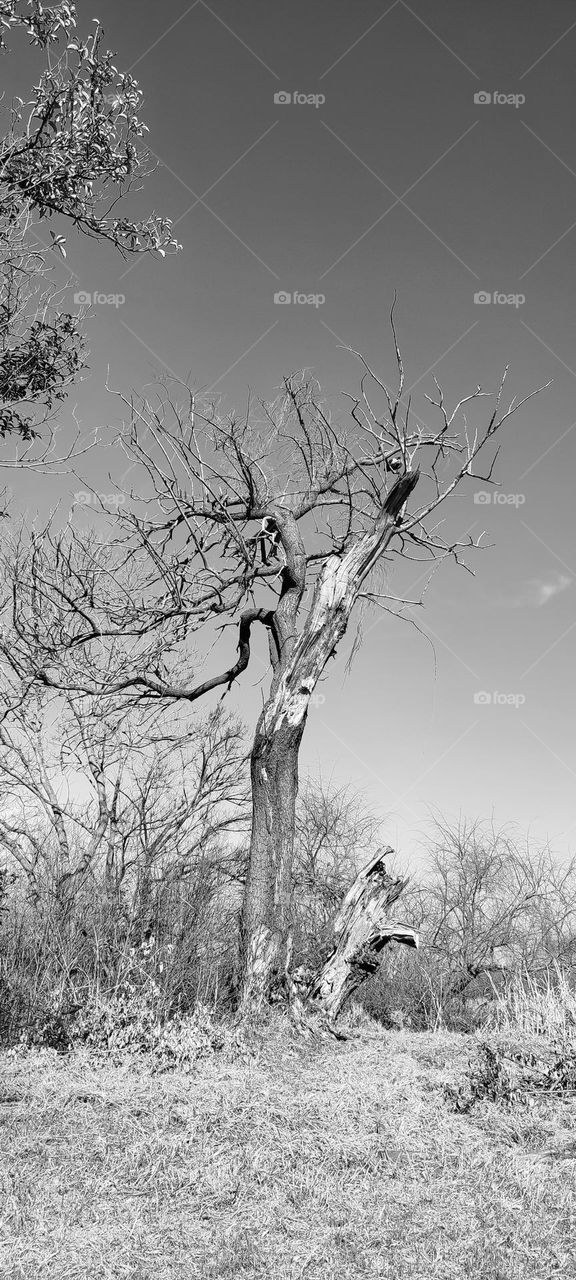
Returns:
point(394, 178)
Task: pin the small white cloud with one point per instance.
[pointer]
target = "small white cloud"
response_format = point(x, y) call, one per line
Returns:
point(538, 591)
point(548, 589)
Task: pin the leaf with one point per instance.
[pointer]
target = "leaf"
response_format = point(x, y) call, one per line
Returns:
point(58, 243)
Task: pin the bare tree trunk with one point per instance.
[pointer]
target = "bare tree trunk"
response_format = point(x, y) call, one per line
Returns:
point(265, 915)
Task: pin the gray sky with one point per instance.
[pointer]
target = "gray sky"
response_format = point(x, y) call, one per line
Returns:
point(397, 180)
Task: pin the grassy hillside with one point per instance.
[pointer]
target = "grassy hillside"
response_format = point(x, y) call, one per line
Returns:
point(281, 1160)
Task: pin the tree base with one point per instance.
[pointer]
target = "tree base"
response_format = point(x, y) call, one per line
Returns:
point(360, 931)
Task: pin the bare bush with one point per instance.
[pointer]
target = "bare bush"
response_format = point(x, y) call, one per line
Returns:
point(116, 825)
point(487, 909)
point(335, 833)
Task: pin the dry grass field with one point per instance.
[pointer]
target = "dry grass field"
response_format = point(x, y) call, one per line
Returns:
point(283, 1160)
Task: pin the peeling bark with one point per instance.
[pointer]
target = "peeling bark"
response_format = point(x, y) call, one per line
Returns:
point(265, 919)
point(261, 950)
point(361, 930)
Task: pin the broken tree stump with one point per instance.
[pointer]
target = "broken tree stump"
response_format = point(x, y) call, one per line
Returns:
point(361, 929)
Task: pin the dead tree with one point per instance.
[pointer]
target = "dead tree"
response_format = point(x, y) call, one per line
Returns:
point(182, 556)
